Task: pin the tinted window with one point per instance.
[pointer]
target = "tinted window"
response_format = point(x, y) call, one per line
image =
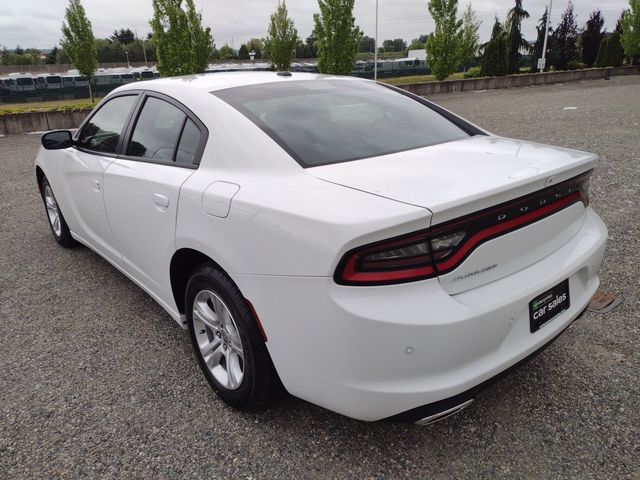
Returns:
point(54, 79)
point(328, 121)
point(189, 142)
point(26, 81)
point(156, 132)
point(103, 130)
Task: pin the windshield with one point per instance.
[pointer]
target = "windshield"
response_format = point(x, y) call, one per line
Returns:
point(25, 81)
point(54, 79)
point(319, 122)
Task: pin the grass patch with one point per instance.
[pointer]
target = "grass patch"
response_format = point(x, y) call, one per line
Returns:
point(419, 79)
point(48, 106)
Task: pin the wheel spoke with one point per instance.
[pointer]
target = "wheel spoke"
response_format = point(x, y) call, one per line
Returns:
point(209, 347)
point(213, 360)
point(232, 364)
point(203, 313)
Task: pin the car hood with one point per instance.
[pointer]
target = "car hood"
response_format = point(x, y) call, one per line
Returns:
point(459, 177)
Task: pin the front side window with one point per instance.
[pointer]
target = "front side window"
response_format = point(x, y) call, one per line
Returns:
point(102, 132)
point(157, 130)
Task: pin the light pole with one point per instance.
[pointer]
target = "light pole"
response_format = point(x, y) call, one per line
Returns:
point(542, 61)
point(127, 54)
point(375, 48)
point(144, 50)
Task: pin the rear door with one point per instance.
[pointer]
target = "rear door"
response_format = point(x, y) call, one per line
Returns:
point(142, 187)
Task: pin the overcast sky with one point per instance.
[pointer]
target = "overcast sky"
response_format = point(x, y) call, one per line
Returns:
point(36, 23)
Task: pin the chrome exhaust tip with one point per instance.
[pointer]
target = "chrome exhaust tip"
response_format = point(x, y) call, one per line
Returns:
point(444, 414)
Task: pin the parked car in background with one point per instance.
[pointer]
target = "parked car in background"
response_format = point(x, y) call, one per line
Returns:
point(48, 82)
point(67, 82)
point(353, 244)
point(24, 83)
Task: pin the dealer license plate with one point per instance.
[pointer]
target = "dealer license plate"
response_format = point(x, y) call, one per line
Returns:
point(548, 305)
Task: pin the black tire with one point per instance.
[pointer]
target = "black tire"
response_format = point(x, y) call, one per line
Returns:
point(64, 237)
point(260, 386)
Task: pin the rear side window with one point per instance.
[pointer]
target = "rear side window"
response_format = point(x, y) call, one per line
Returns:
point(157, 130)
point(102, 132)
point(189, 142)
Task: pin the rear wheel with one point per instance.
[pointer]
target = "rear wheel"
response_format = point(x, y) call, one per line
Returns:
point(227, 342)
point(58, 225)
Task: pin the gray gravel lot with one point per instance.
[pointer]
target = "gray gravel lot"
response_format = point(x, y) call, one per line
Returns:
point(97, 381)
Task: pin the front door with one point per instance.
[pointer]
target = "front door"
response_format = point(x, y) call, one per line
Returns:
point(83, 173)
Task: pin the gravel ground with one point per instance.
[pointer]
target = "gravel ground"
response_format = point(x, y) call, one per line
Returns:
point(97, 381)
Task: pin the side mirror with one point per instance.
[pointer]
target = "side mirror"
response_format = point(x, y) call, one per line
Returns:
point(57, 140)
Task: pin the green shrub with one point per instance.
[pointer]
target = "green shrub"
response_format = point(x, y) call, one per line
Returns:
point(473, 72)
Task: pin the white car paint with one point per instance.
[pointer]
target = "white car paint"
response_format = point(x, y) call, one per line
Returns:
point(279, 231)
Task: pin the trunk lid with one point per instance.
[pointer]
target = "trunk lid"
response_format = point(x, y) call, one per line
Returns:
point(466, 176)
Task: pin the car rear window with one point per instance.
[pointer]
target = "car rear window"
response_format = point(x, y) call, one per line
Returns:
point(319, 122)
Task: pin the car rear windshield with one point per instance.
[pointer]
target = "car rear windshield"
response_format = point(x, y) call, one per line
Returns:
point(319, 122)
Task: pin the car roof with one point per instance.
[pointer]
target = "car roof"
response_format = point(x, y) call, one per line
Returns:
point(209, 82)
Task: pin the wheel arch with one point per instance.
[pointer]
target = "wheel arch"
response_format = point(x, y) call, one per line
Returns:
point(183, 262)
point(39, 177)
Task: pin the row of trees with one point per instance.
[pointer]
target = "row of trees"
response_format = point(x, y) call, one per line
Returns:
point(182, 45)
point(568, 47)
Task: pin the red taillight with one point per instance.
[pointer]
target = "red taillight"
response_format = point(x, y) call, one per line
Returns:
point(444, 247)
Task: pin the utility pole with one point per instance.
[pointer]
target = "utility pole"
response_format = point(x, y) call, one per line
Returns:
point(375, 48)
point(542, 61)
point(144, 50)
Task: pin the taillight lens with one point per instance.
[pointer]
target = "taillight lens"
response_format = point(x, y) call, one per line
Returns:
point(444, 247)
point(398, 260)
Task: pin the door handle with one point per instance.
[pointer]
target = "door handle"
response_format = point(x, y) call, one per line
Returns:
point(161, 200)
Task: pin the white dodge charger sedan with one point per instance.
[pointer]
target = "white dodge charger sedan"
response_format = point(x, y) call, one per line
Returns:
point(345, 241)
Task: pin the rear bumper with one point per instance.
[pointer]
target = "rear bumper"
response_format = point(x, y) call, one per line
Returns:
point(443, 408)
point(404, 351)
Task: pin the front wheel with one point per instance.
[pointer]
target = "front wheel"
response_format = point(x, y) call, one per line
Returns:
point(227, 342)
point(58, 225)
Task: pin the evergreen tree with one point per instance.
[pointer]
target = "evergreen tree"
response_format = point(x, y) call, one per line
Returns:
point(496, 52)
point(52, 56)
point(183, 46)
point(470, 41)
point(78, 41)
point(565, 39)
point(124, 36)
point(282, 38)
point(631, 31)
point(611, 52)
point(514, 36)
point(243, 52)
point(591, 38)
point(443, 45)
point(337, 36)
point(311, 47)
